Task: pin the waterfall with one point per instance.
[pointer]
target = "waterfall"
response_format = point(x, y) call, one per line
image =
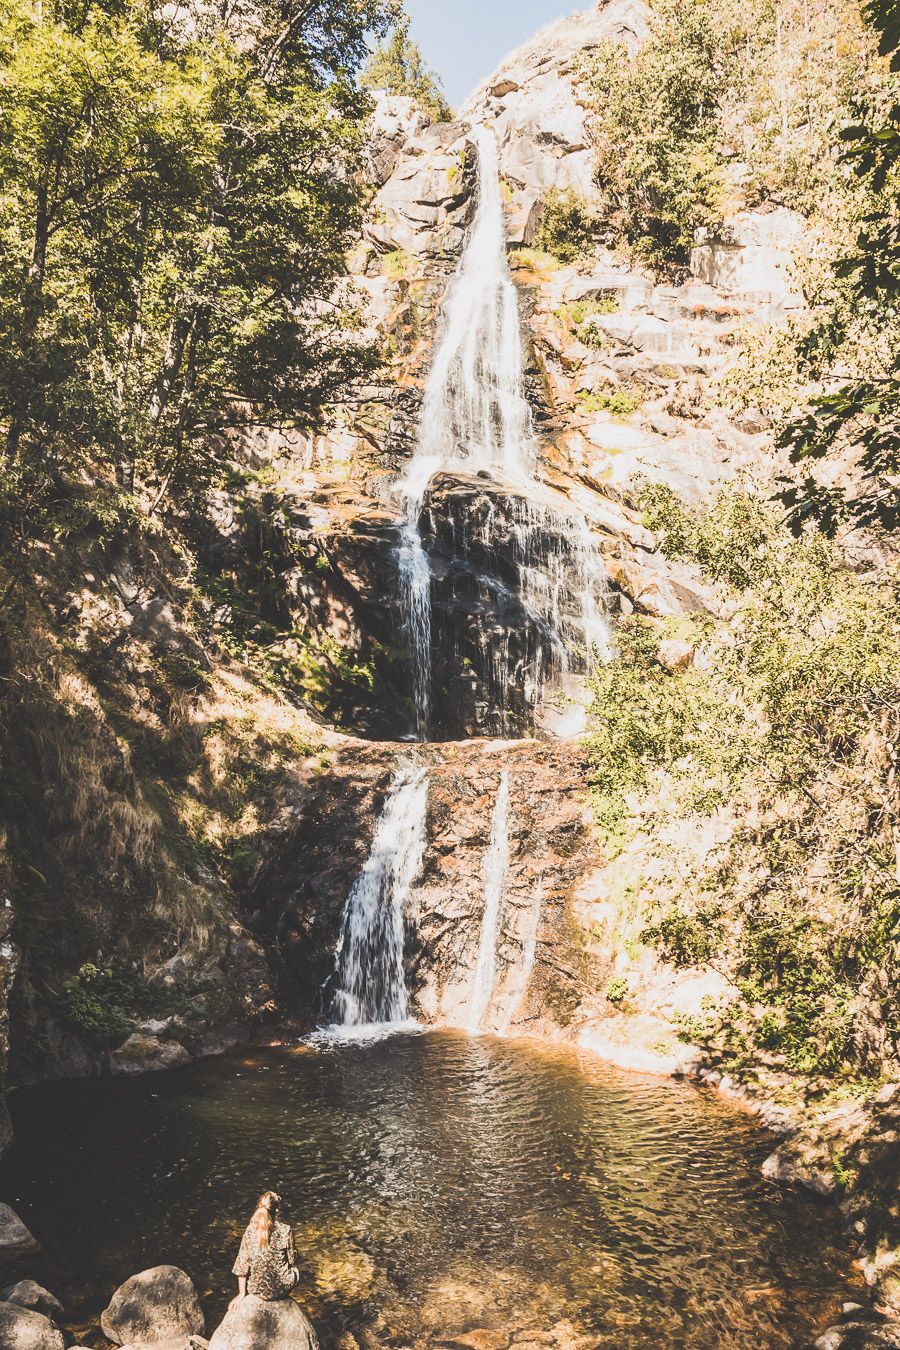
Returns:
point(476, 420)
point(493, 872)
point(369, 973)
point(474, 412)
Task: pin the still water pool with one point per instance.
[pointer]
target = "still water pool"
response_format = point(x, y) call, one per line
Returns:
point(437, 1184)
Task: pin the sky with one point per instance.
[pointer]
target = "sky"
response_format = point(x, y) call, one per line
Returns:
point(465, 40)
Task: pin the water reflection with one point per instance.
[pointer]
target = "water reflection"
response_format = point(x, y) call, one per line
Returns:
point(437, 1184)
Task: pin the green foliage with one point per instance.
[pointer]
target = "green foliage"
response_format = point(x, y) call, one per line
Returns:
point(175, 208)
point(569, 227)
point(581, 314)
point(727, 100)
point(788, 727)
point(98, 1005)
point(619, 401)
point(398, 67)
point(856, 328)
point(617, 990)
point(102, 1004)
point(658, 166)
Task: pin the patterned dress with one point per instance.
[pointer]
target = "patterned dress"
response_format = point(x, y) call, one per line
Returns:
point(271, 1271)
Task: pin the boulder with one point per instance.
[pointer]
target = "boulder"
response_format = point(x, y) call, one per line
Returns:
point(30, 1294)
point(22, 1329)
point(860, 1336)
point(257, 1325)
point(15, 1239)
point(158, 1305)
point(142, 1053)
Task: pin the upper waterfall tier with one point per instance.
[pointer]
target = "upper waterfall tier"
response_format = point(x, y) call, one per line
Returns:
point(475, 416)
point(545, 621)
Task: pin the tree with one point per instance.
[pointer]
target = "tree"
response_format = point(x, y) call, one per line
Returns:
point(398, 67)
point(858, 334)
point(176, 203)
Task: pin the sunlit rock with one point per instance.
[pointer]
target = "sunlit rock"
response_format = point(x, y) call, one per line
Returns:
point(258, 1325)
point(156, 1305)
point(22, 1329)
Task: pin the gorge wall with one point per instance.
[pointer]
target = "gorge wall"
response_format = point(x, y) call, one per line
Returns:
point(175, 755)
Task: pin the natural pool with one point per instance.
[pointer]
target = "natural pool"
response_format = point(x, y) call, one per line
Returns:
point(437, 1184)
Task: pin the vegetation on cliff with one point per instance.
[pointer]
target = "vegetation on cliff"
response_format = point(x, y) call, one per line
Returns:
point(774, 751)
point(178, 195)
point(178, 191)
point(398, 67)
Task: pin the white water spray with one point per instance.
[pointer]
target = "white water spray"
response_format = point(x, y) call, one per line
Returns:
point(476, 419)
point(369, 972)
point(493, 872)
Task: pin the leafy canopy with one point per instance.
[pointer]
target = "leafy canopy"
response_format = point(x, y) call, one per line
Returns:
point(178, 190)
point(398, 67)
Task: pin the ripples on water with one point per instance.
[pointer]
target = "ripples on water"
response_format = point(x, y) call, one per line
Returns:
point(436, 1184)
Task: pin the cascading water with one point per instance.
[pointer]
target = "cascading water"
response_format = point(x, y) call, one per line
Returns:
point(476, 420)
point(493, 871)
point(369, 972)
point(474, 412)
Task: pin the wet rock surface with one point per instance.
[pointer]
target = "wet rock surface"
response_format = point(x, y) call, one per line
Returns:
point(318, 846)
point(29, 1294)
point(15, 1239)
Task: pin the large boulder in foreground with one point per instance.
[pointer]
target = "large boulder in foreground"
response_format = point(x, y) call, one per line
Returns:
point(257, 1325)
point(22, 1329)
point(158, 1305)
point(15, 1239)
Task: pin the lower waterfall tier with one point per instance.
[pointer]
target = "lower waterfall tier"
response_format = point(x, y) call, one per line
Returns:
point(505, 820)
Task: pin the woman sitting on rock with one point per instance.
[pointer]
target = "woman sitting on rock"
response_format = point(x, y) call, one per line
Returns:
point(267, 1261)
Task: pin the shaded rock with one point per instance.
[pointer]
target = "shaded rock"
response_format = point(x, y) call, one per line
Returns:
point(860, 1336)
point(15, 1239)
point(22, 1329)
point(30, 1294)
point(143, 1053)
point(257, 1325)
point(157, 1305)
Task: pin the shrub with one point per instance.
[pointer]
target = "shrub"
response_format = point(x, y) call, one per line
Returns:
point(785, 731)
point(569, 226)
point(621, 402)
point(617, 990)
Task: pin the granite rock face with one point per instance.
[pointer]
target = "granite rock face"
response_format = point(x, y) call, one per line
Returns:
point(154, 1306)
point(258, 1325)
point(22, 1329)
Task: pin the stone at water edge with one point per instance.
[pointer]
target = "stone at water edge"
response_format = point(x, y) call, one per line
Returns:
point(159, 1304)
point(15, 1239)
point(257, 1325)
point(145, 1054)
point(30, 1294)
point(22, 1329)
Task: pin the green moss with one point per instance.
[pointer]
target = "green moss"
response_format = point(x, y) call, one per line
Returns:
point(397, 264)
point(617, 990)
point(618, 402)
point(569, 226)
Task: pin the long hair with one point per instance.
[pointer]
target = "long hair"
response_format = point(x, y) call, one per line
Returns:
point(264, 1216)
